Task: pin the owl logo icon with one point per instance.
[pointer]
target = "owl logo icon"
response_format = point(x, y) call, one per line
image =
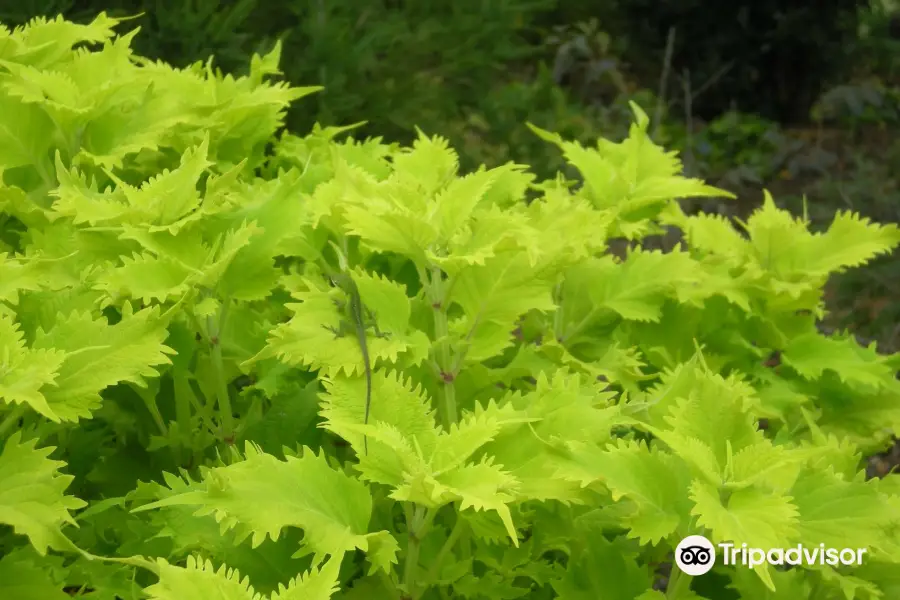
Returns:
point(695, 555)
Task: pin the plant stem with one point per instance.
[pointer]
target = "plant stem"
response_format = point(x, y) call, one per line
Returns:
point(679, 583)
point(214, 328)
point(182, 391)
point(149, 401)
point(439, 559)
point(389, 585)
point(412, 550)
point(441, 331)
point(418, 521)
point(465, 543)
point(10, 420)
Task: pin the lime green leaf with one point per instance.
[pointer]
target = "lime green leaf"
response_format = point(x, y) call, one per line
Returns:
point(482, 487)
point(99, 355)
point(44, 41)
point(306, 340)
point(848, 585)
point(751, 516)
point(145, 277)
point(654, 481)
point(884, 575)
point(850, 241)
point(455, 204)
point(259, 497)
point(747, 516)
point(716, 234)
point(25, 578)
point(483, 237)
point(405, 450)
point(501, 290)
point(637, 288)
point(17, 277)
point(712, 416)
point(266, 564)
point(409, 435)
point(605, 570)
point(531, 445)
point(789, 585)
point(26, 135)
point(199, 579)
point(812, 354)
point(768, 227)
point(32, 499)
point(78, 197)
point(24, 371)
point(842, 513)
point(567, 224)
point(317, 584)
point(712, 432)
point(176, 263)
point(863, 417)
point(171, 195)
point(430, 164)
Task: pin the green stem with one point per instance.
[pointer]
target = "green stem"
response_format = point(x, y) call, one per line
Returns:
point(418, 521)
point(182, 391)
point(441, 331)
point(196, 323)
point(202, 409)
point(214, 328)
point(12, 418)
point(574, 331)
point(412, 551)
point(678, 585)
point(149, 401)
point(389, 585)
point(559, 313)
point(465, 544)
point(48, 178)
point(433, 572)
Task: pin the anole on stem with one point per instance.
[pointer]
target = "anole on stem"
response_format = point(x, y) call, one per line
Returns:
point(357, 312)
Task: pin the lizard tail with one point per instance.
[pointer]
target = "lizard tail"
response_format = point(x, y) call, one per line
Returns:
point(366, 420)
point(368, 405)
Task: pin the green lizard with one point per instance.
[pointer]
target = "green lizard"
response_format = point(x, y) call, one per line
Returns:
point(357, 312)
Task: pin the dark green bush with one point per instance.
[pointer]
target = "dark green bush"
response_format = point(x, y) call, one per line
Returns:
point(442, 65)
point(757, 56)
point(402, 63)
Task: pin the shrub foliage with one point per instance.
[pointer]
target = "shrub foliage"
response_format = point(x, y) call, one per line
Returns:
point(548, 419)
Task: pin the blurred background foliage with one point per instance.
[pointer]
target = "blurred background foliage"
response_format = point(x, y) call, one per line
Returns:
point(802, 98)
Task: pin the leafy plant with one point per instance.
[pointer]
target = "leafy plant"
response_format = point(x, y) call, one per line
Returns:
point(548, 420)
point(493, 133)
point(759, 57)
point(584, 56)
point(398, 64)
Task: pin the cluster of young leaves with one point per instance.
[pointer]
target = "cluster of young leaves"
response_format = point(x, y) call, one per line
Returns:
point(548, 419)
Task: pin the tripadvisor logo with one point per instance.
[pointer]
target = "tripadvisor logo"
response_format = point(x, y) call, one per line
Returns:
point(796, 555)
point(696, 555)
